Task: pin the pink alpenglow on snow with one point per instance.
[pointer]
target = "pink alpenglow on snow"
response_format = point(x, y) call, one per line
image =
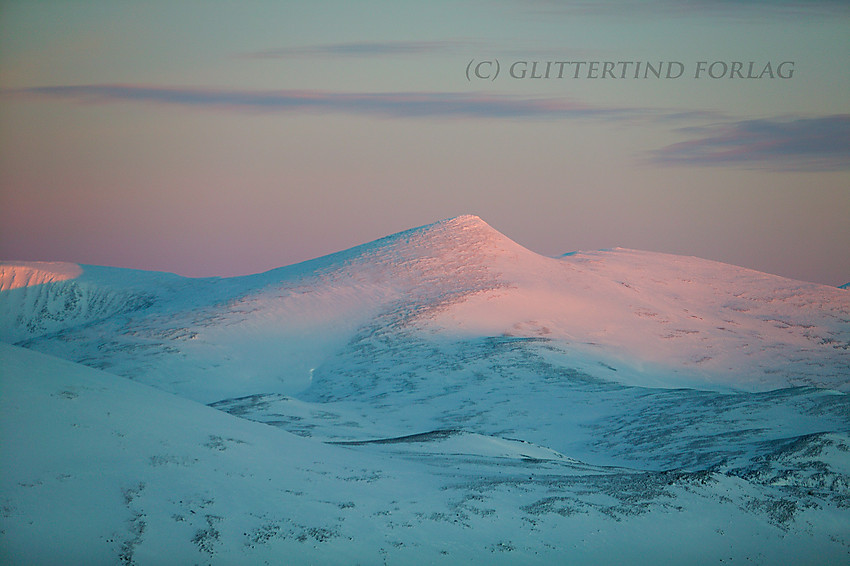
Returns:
point(16, 274)
point(500, 405)
point(639, 318)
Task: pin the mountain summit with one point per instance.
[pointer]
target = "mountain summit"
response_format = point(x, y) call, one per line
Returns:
point(634, 317)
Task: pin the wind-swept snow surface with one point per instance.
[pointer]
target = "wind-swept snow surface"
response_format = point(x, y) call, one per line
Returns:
point(442, 395)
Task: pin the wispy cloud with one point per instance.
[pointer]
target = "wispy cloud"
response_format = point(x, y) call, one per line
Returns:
point(389, 104)
point(357, 49)
point(766, 5)
point(709, 8)
point(792, 144)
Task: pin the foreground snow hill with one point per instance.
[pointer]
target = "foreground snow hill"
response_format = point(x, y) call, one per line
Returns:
point(442, 395)
point(98, 469)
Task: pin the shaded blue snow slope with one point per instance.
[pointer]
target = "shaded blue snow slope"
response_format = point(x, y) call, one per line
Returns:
point(439, 396)
point(101, 470)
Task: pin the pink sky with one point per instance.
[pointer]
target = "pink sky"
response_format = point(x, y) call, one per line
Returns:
point(150, 137)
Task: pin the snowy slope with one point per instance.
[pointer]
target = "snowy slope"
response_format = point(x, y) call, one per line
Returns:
point(656, 319)
point(98, 469)
point(41, 297)
point(442, 395)
point(671, 321)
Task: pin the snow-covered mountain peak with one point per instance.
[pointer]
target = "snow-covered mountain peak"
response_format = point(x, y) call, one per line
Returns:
point(468, 236)
point(469, 226)
point(464, 221)
point(445, 251)
point(639, 318)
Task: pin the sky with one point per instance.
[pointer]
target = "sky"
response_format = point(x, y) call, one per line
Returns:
point(220, 138)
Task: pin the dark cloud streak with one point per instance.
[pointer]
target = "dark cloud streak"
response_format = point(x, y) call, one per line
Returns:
point(357, 49)
point(801, 144)
point(755, 10)
point(395, 104)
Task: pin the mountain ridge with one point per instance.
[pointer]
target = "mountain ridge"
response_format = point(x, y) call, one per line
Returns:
point(658, 319)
